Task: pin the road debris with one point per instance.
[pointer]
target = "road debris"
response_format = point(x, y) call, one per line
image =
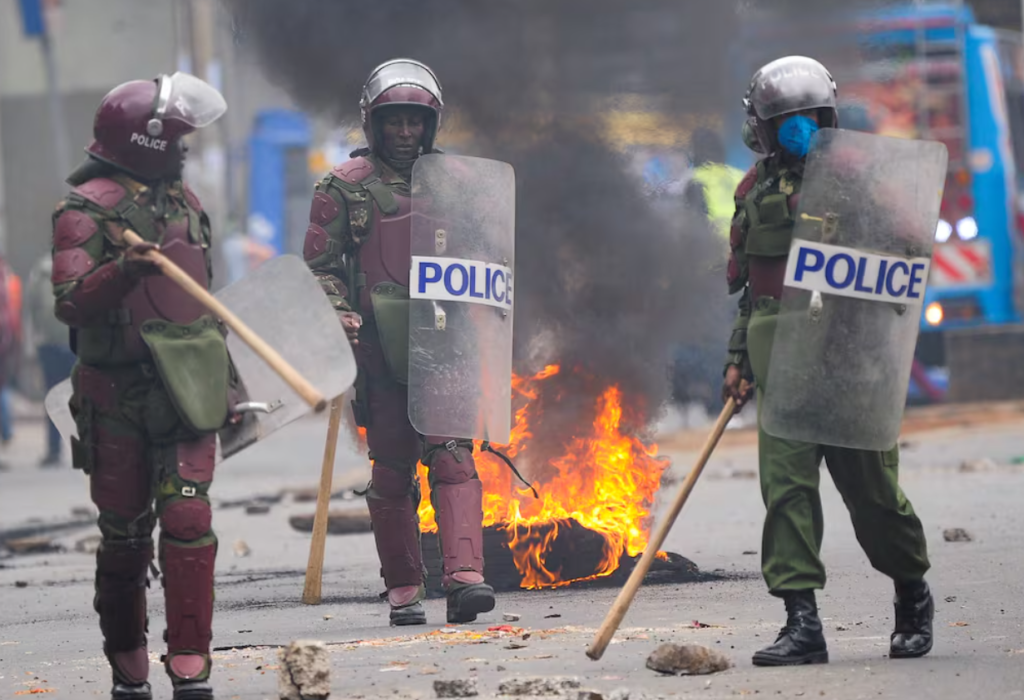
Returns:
point(687, 660)
point(956, 534)
point(339, 522)
point(305, 671)
point(32, 545)
point(21, 584)
point(510, 617)
point(257, 509)
point(242, 549)
point(266, 500)
point(973, 466)
point(461, 688)
point(554, 685)
point(951, 599)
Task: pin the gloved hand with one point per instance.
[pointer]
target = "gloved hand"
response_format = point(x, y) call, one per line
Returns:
point(137, 262)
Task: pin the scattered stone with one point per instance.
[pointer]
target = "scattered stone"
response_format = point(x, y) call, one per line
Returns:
point(748, 552)
point(242, 549)
point(305, 671)
point(589, 695)
point(687, 660)
point(89, 544)
point(619, 694)
point(328, 617)
point(510, 617)
point(951, 599)
point(257, 509)
point(956, 534)
point(339, 522)
point(21, 584)
point(516, 645)
point(462, 688)
point(841, 628)
point(555, 685)
point(971, 466)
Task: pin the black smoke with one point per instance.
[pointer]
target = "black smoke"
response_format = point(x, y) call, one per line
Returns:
point(607, 286)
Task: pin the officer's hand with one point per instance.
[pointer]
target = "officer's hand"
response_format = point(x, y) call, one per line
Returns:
point(351, 322)
point(137, 261)
point(733, 387)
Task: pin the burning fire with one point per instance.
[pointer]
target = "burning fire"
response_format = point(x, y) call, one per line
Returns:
point(604, 480)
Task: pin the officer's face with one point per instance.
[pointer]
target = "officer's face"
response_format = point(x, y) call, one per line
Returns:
point(402, 130)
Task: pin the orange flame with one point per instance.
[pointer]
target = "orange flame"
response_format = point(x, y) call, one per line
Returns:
point(605, 481)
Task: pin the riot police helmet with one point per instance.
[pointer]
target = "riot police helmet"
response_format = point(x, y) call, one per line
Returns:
point(139, 124)
point(789, 85)
point(401, 82)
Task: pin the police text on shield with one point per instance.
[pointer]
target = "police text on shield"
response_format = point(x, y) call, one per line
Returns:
point(458, 279)
point(851, 273)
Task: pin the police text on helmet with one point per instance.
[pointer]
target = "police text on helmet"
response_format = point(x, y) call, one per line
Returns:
point(149, 142)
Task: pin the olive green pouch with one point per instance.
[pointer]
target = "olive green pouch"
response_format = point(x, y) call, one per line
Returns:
point(192, 361)
point(771, 227)
point(391, 313)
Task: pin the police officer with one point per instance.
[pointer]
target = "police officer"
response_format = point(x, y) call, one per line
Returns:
point(358, 245)
point(152, 378)
point(787, 102)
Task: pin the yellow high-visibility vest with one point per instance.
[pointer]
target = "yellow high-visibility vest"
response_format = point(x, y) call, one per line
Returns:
point(719, 182)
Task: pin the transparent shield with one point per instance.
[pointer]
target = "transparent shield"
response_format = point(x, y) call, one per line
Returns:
point(283, 303)
point(194, 101)
point(855, 280)
point(460, 331)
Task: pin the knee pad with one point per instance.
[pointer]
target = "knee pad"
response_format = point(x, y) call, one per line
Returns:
point(450, 466)
point(186, 519)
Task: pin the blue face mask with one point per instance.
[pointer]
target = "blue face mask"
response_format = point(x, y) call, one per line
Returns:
point(795, 134)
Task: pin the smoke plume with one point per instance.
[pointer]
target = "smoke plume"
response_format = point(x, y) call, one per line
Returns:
point(607, 286)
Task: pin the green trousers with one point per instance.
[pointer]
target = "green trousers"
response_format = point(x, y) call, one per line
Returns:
point(884, 521)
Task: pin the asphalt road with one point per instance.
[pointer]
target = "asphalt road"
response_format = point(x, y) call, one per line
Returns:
point(49, 637)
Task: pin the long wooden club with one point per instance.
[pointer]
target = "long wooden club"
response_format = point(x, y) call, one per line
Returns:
point(625, 598)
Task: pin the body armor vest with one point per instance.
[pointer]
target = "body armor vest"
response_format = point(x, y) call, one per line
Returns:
point(770, 209)
point(183, 241)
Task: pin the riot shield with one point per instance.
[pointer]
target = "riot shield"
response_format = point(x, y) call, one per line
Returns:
point(460, 315)
point(855, 280)
point(283, 303)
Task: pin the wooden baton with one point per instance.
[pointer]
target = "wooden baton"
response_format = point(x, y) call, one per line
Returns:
point(315, 567)
point(625, 598)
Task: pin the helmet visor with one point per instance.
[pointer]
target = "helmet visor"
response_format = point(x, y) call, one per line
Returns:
point(401, 73)
point(190, 100)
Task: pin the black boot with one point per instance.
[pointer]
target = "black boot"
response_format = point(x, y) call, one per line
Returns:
point(915, 609)
point(193, 690)
point(466, 602)
point(801, 641)
point(408, 615)
point(124, 691)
